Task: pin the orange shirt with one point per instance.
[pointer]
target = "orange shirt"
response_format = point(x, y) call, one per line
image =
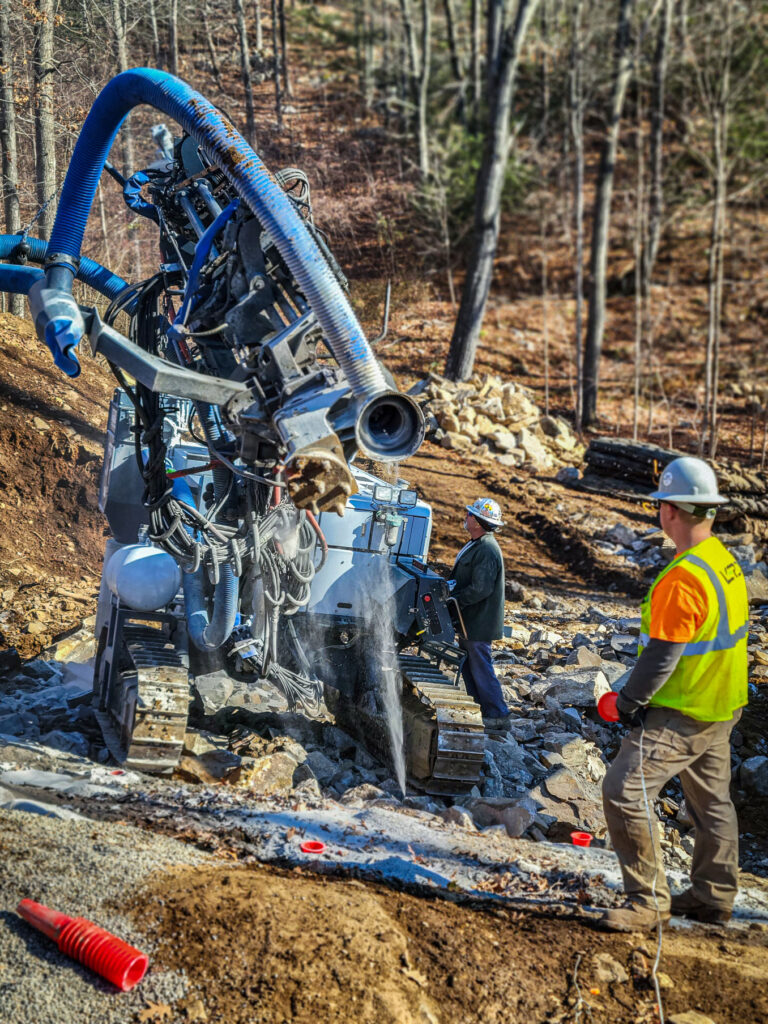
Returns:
point(678, 607)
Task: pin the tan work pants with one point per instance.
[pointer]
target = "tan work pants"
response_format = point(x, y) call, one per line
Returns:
point(700, 754)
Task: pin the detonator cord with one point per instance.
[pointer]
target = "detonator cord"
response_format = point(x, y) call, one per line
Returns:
point(654, 840)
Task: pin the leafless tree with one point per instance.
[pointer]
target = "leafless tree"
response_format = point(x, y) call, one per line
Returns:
point(8, 138)
point(576, 127)
point(490, 183)
point(474, 36)
point(156, 48)
point(656, 202)
point(423, 106)
point(457, 63)
point(173, 36)
point(412, 54)
point(593, 342)
point(276, 74)
point(258, 27)
point(245, 72)
point(288, 88)
point(724, 62)
point(210, 44)
point(45, 125)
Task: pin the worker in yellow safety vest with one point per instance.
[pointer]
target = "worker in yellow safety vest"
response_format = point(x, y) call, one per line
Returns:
point(681, 702)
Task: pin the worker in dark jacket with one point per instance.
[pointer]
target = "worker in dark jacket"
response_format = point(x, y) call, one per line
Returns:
point(478, 586)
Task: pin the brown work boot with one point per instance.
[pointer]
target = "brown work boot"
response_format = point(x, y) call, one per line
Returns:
point(688, 905)
point(631, 917)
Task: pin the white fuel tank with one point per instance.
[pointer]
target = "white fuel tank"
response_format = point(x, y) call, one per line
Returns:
point(142, 577)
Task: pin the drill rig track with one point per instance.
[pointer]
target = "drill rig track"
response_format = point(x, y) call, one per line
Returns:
point(444, 736)
point(142, 696)
point(443, 729)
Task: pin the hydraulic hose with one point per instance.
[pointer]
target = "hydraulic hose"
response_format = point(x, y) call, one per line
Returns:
point(89, 272)
point(226, 148)
point(18, 279)
point(207, 632)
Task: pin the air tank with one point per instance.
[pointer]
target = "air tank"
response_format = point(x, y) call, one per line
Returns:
point(144, 578)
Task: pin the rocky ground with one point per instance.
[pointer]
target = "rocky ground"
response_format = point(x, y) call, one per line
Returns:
point(257, 781)
point(482, 907)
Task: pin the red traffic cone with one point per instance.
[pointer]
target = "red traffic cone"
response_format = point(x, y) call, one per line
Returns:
point(92, 946)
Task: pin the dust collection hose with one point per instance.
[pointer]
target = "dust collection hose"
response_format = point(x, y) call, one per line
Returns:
point(89, 272)
point(61, 326)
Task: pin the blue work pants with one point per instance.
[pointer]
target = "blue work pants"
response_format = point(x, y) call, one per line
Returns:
point(480, 678)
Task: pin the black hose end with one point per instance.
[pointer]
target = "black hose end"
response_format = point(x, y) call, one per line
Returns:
point(390, 427)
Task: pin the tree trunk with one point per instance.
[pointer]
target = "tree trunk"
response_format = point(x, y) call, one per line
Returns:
point(412, 51)
point(210, 44)
point(490, 184)
point(576, 119)
point(715, 268)
point(276, 54)
point(9, 142)
point(639, 243)
point(656, 203)
point(545, 85)
point(173, 37)
point(284, 49)
point(245, 72)
point(45, 126)
point(369, 71)
point(457, 65)
point(593, 343)
point(258, 27)
point(494, 28)
point(118, 27)
point(544, 221)
point(426, 47)
point(475, 62)
point(156, 48)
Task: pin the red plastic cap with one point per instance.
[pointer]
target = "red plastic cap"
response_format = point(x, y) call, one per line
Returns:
point(312, 846)
point(581, 838)
point(606, 707)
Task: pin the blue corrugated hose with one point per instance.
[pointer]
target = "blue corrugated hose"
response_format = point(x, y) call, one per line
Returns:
point(90, 272)
point(231, 153)
point(207, 632)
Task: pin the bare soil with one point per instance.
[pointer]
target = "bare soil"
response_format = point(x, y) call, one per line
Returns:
point(266, 946)
point(51, 445)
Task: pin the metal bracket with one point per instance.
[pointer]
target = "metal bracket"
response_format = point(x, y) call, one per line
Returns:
point(155, 373)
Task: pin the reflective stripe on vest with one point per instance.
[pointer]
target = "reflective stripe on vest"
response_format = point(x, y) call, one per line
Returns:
point(724, 639)
point(710, 679)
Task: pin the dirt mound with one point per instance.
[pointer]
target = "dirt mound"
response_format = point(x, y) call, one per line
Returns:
point(263, 946)
point(51, 442)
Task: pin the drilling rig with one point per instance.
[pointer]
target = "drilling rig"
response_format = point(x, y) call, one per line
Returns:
point(244, 539)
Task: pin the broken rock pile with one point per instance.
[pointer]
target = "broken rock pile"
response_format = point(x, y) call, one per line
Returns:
point(490, 416)
point(541, 779)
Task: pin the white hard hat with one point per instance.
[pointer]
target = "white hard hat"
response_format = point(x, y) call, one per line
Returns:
point(487, 511)
point(689, 483)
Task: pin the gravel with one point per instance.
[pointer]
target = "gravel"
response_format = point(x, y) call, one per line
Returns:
point(86, 869)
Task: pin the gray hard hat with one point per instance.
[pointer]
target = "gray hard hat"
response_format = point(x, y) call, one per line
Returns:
point(689, 481)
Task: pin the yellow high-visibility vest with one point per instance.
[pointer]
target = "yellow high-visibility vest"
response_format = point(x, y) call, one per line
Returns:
point(710, 681)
